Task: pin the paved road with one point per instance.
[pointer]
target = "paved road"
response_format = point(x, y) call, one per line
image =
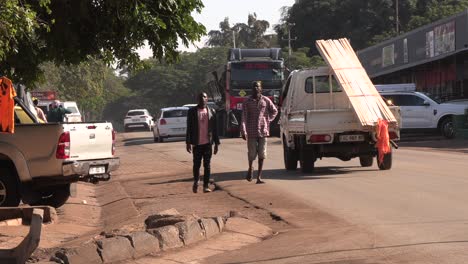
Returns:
point(342, 213)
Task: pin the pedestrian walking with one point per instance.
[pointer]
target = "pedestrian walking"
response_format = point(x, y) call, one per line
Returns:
point(201, 135)
point(40, 113)
point(257, 113)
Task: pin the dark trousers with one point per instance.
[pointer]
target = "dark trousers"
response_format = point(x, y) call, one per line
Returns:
point(202, 152)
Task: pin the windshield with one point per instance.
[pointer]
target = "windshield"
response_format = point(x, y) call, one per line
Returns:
point(135, 113)
point(256, 71)
point(433, 97)
point(175, 113)
point(72, 109)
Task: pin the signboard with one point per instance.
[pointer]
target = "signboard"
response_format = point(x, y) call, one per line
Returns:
point(388, 55)
point(430, 44)
point(44, 95)
point(444, 38)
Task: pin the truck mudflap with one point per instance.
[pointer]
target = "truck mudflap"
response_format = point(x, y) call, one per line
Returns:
point(98, 169)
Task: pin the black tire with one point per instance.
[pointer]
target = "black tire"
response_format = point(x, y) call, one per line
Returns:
point(290, 157)
point(387, 161)
point(55, 196)
point(446, 128)
point(160, 139)
point(9, 191)
point(366, 161)
point(307, 160)
point(156, 139)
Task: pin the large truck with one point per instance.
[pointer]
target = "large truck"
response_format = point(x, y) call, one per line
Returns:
point(232, 83)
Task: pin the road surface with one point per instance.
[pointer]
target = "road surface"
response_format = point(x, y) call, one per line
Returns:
point(343, 213)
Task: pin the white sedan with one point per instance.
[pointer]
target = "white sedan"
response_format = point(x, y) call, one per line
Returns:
point(171, 123)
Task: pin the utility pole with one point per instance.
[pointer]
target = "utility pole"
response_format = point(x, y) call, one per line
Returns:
point(289, 25)
point(397, 18)
point(234, 38)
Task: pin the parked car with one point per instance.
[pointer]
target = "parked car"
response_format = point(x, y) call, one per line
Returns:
point(75, 115)
point(421, 111)
point(138, 119)
point(172, 123)
point(38, 163)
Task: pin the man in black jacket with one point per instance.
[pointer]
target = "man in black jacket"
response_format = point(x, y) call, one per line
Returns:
point(201, 135)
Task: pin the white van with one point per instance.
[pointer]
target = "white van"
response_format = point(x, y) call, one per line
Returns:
point(75, 115)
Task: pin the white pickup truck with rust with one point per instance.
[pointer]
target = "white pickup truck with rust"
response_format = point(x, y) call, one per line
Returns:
point(39, 161)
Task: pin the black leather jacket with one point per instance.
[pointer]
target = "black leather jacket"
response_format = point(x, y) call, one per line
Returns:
point(192, 126)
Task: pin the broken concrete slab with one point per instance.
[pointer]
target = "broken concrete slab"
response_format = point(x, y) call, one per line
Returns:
point(86, 253)
point(190, 232)
point(168, 237)
point(155, 221)
point(115, 249)
point(144, 243)
point(25, 213)
point(248, 227)
point(210, 226)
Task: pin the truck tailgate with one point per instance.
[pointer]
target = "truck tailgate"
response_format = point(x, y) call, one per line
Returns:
point(332, 120)
point(90, 140)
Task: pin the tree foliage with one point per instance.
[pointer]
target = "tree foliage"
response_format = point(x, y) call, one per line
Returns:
point(67, 32)
point(250, 35)
point(91, 83)
point(164, 85)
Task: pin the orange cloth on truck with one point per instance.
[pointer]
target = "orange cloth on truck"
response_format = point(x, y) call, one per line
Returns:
point(383, 139)
point(7, 103)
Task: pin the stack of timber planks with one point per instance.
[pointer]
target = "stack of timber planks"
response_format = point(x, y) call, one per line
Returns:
point(366, 101)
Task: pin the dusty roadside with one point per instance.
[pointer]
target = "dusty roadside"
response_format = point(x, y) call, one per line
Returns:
point(147, 182)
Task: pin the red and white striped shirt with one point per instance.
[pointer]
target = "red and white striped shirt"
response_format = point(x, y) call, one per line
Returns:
point(256, 117)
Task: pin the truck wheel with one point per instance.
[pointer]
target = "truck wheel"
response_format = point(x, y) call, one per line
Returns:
point(366, 161)
point(387, 161)
point(156, 139)
point(9, 194)
point(55, 197)
point(160, 139)
point(446, 128)
point(290, 157)
point(307, 161)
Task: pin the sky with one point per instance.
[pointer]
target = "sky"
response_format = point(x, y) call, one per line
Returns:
point(238, 11)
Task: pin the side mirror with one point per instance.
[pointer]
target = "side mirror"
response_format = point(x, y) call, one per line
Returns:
point(426, 103)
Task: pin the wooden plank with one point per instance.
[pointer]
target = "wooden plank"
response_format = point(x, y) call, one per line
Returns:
point(365, 99)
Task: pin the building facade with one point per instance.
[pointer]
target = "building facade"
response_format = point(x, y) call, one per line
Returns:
point(434, 57)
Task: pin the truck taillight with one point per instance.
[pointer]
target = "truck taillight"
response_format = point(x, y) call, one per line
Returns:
point(113, 142)
point(63, 146)
point(162, 122)
point(320, 138)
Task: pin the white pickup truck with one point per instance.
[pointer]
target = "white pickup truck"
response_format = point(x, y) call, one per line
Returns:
point(421, 111)
point(318, 120)
point(39, 162)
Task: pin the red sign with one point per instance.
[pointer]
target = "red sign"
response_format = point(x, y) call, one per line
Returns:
point(257, 66)
point(44, 95)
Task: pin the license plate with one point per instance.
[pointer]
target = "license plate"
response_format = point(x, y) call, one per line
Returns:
point(351, 138)
point(97, 170)
point(136, 120)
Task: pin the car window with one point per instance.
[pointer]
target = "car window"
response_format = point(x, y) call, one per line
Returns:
point(73, 109)
point(322, 84)
point(405, 99)
point(175, 113)
point(136, 113)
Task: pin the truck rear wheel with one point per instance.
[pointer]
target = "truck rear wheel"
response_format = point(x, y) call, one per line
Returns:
point(366, 161)
point(9, 194)
point(307, 160)
point(387, 161)
point(54, 196)
point(290, 157)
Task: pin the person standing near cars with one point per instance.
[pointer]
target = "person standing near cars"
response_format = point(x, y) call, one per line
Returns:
point(257, 113)
point(201, 135)
point(40, 113)
point(57, 113)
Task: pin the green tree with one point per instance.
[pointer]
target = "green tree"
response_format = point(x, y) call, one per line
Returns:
point(250, 35)
point(109, 30)
point(91, 84)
